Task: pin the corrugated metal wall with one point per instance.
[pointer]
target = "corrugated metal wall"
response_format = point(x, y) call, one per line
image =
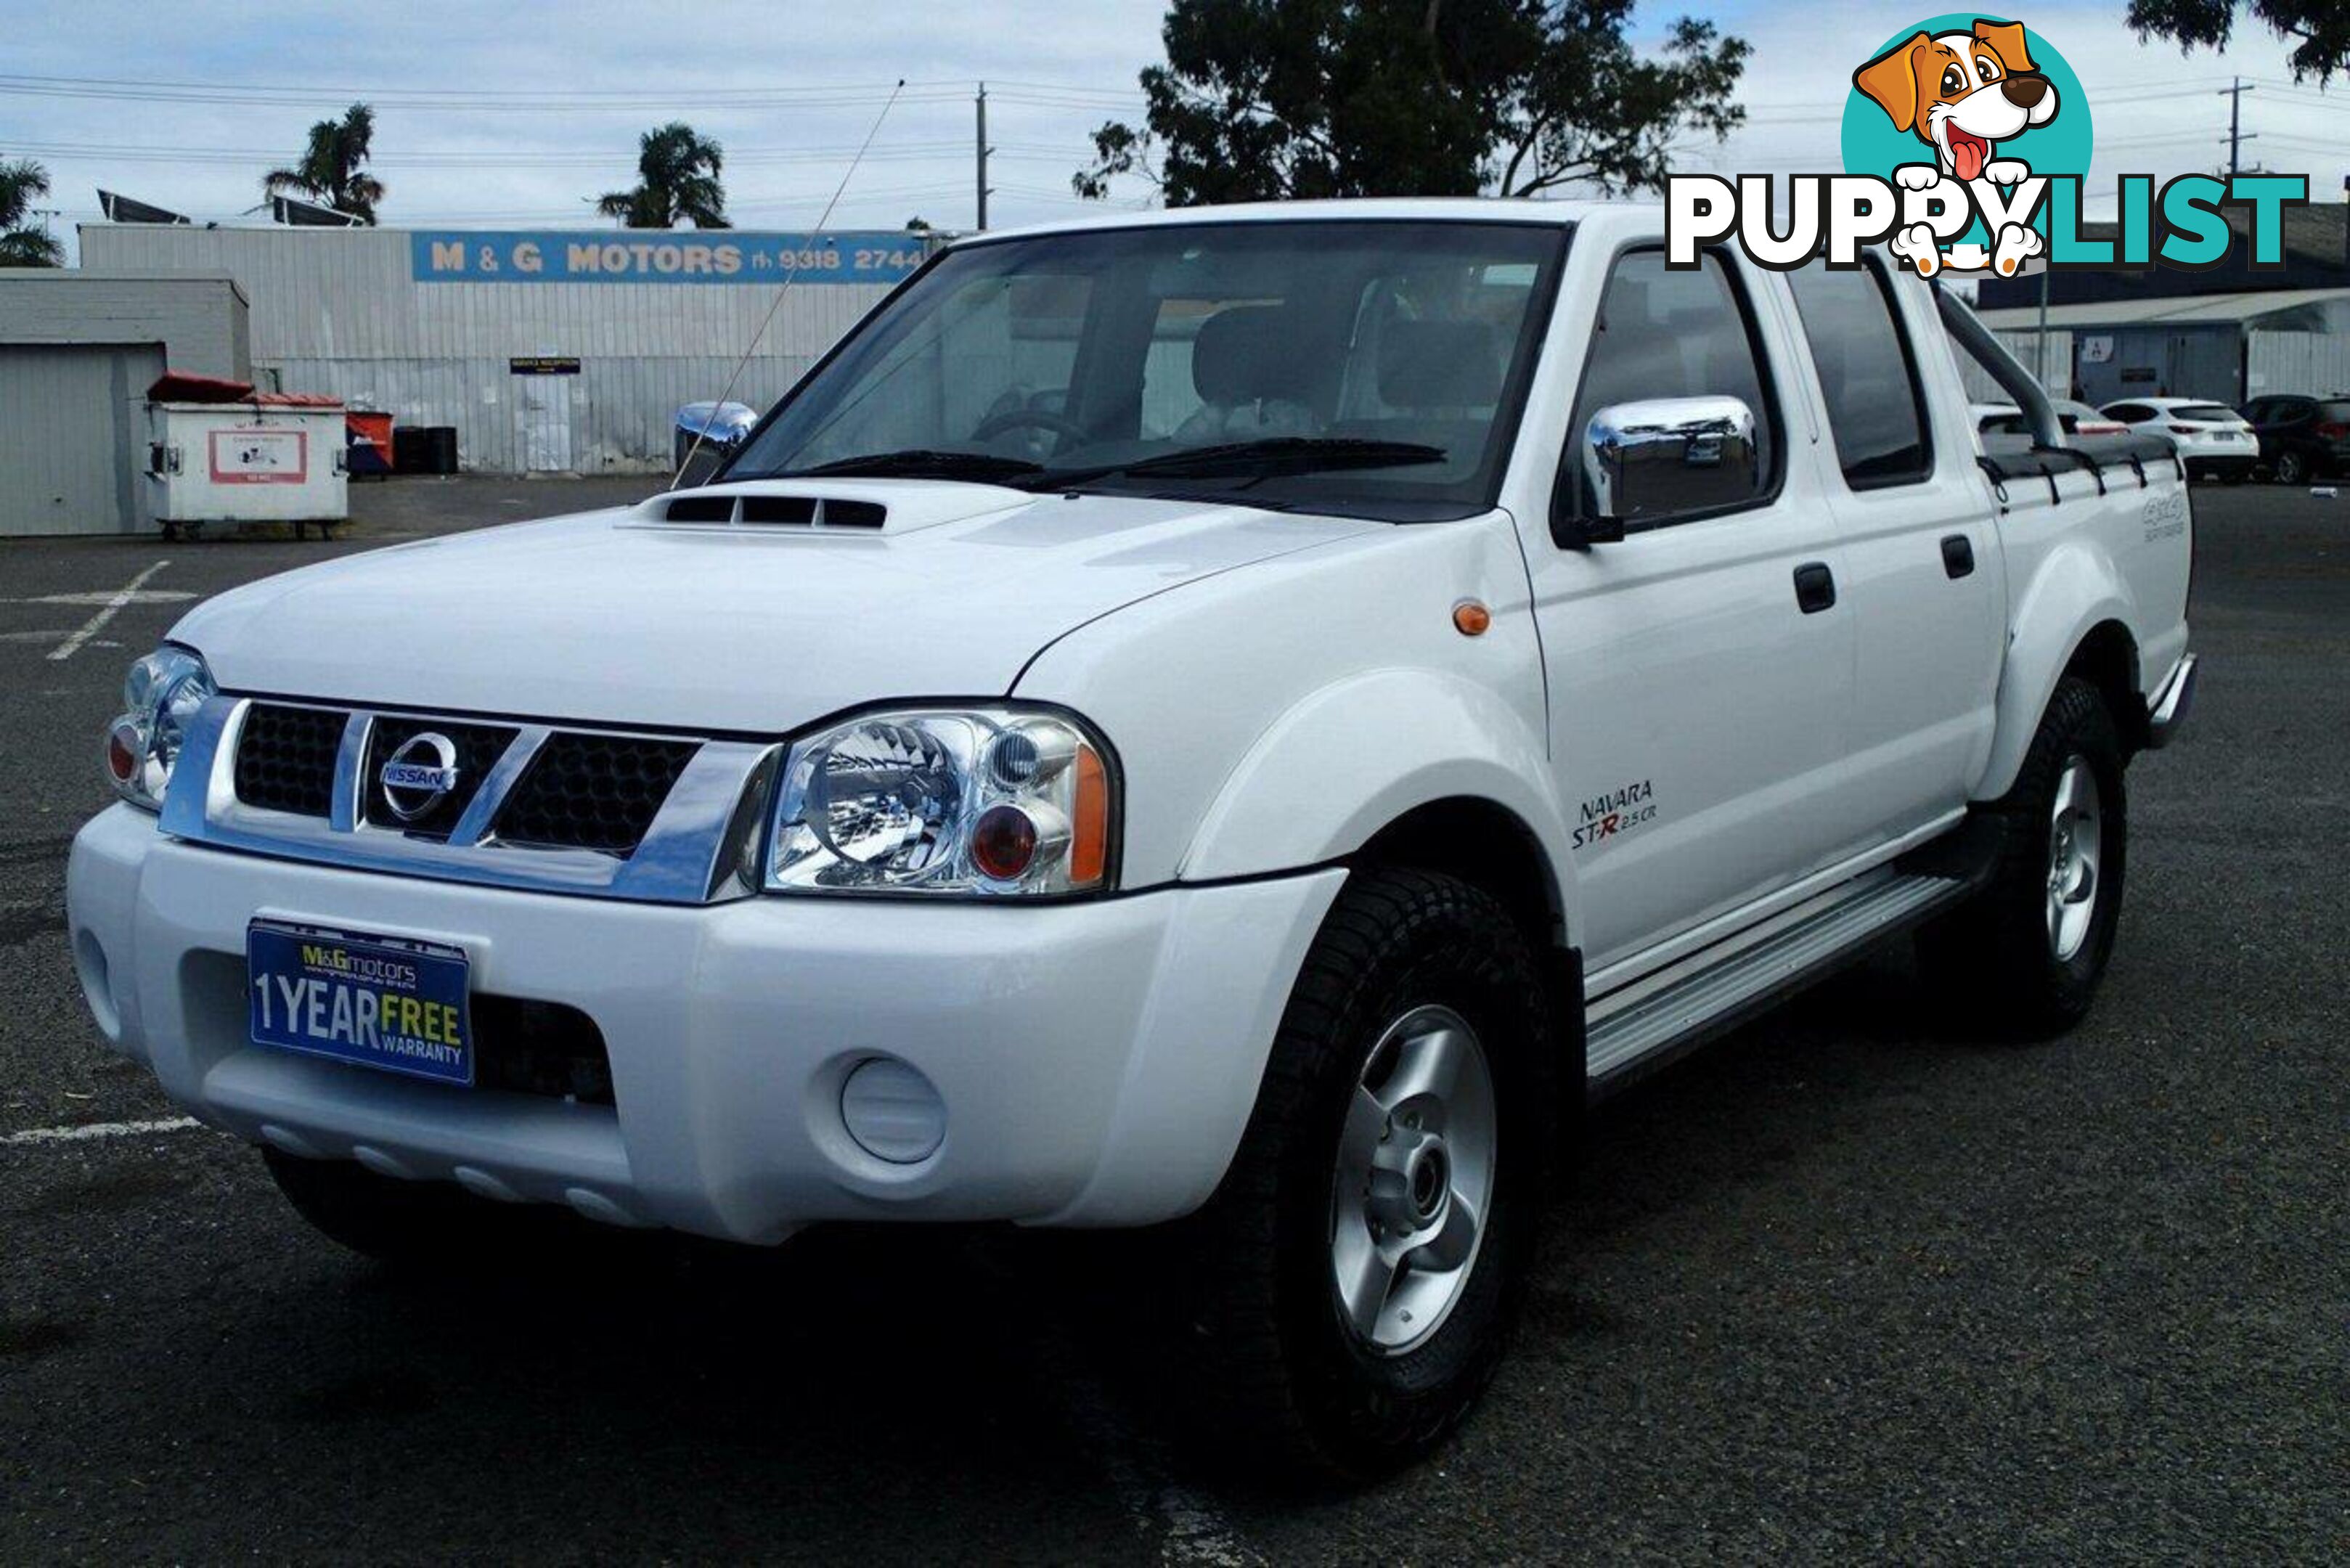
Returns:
point(72, 437)
point(2056, 371)
point(337, 310)
point(2312, 362)
point(200, 321)
point(2164, 359)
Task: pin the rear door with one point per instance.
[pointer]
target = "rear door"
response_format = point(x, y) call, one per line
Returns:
point(1922, 567)
point(1699, 712)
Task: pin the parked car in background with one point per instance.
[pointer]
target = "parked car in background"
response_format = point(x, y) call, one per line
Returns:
point(2077, 418)
point(2213, 440)
point(2302, 438)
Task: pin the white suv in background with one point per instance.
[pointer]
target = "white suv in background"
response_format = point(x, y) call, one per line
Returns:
point(2212, 440)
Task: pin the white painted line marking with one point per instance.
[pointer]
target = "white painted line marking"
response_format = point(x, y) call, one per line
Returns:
point(106, 612)
point(1191, 1530)
point(98, 1129)
point(108, 596)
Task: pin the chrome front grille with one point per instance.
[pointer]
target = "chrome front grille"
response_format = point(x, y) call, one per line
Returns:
point(595, 811)
point(589, 791)
point(286, 760)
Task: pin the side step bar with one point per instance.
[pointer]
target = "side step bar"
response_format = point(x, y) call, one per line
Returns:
point(1642, 1025)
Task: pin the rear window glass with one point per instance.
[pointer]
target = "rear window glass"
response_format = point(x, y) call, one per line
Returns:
point(2203, 411)
point(2337, 409)
point(1876, 412)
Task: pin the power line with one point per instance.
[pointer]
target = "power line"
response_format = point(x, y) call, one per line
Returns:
point(697, 97)
point(66, 152)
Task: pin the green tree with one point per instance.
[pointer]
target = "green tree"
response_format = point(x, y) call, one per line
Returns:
point(21, 244)
point(1270, 99)
point(329, 172)
point(2321, 27)
point(677, 182)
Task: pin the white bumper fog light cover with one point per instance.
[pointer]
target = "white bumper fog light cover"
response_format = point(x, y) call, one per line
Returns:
point(892, 1111)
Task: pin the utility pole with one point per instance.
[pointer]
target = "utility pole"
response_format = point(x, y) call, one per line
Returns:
point(2040, 347)
point(2236, 136)
point(982, 155)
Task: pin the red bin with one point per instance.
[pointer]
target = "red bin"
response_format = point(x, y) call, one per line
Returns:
point(369, 437)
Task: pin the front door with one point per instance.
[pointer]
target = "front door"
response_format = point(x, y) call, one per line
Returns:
point(1700, 668)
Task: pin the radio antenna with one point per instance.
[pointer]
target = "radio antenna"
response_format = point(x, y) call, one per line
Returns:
point(703, 433)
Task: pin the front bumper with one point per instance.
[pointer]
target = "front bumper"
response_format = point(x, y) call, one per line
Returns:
point(1096, 1060)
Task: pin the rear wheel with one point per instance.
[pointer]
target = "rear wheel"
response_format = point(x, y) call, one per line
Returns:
point(1359, 1267)
point(2027, 953)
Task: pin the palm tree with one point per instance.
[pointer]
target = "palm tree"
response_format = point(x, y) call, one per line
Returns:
point(329, 170)
point(677, 182)
point(21, 244)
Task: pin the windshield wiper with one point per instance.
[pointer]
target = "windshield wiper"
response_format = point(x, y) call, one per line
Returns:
point(917, 462)
point(1261, 458)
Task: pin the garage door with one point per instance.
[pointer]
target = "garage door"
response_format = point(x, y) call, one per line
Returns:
point(73, 437)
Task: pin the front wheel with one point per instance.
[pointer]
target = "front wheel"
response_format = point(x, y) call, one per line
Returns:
point(2290, 467)
point(1361, 1264)
point(2027, 951)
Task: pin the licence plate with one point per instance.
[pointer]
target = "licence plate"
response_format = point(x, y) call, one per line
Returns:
point(378, 1002)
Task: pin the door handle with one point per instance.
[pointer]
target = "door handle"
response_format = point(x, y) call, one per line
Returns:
point(1814, 587)
point(1957, 556)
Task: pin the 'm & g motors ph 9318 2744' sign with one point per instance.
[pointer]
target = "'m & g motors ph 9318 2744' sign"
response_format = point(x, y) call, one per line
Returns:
point(664, 257)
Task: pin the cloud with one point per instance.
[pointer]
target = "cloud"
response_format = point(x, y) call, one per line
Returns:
point(453, 152)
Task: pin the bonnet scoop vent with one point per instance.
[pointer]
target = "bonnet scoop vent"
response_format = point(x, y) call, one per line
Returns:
point(776, 510)
point(840, 506)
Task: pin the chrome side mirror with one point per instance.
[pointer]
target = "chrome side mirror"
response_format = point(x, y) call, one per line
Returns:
point(1644, 461)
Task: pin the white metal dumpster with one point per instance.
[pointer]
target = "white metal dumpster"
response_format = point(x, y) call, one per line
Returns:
point(273, 457)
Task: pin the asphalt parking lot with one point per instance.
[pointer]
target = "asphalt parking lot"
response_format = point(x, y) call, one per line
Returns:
point(1850, 1285)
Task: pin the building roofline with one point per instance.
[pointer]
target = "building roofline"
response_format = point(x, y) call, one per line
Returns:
point(126, 274)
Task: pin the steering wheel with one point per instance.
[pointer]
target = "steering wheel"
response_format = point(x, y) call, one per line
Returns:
point(994, 425)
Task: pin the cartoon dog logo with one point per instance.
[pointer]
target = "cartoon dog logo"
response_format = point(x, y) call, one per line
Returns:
point(1962, 94)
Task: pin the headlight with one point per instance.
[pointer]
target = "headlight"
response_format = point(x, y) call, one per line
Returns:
point(160, 699)
point(980, 803)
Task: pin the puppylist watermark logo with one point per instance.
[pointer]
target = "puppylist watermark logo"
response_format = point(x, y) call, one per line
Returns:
point(1966, 143)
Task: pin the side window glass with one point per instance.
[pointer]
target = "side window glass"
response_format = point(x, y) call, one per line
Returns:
point(1877, 413)
point(1674, 418)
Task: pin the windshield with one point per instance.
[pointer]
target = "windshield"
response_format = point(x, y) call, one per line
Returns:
point(1368, 368)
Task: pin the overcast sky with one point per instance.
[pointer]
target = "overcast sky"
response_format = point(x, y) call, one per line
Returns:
point(518, 114)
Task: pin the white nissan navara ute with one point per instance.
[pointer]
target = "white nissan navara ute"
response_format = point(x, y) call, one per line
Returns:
point(1237, 722)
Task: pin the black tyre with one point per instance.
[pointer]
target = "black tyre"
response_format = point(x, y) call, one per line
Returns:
point(2025, 954)
point(1360, 1266)
point(2291, 467)
point(422, 1226)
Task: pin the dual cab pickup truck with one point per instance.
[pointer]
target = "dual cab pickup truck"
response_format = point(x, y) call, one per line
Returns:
point(1231, 721)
